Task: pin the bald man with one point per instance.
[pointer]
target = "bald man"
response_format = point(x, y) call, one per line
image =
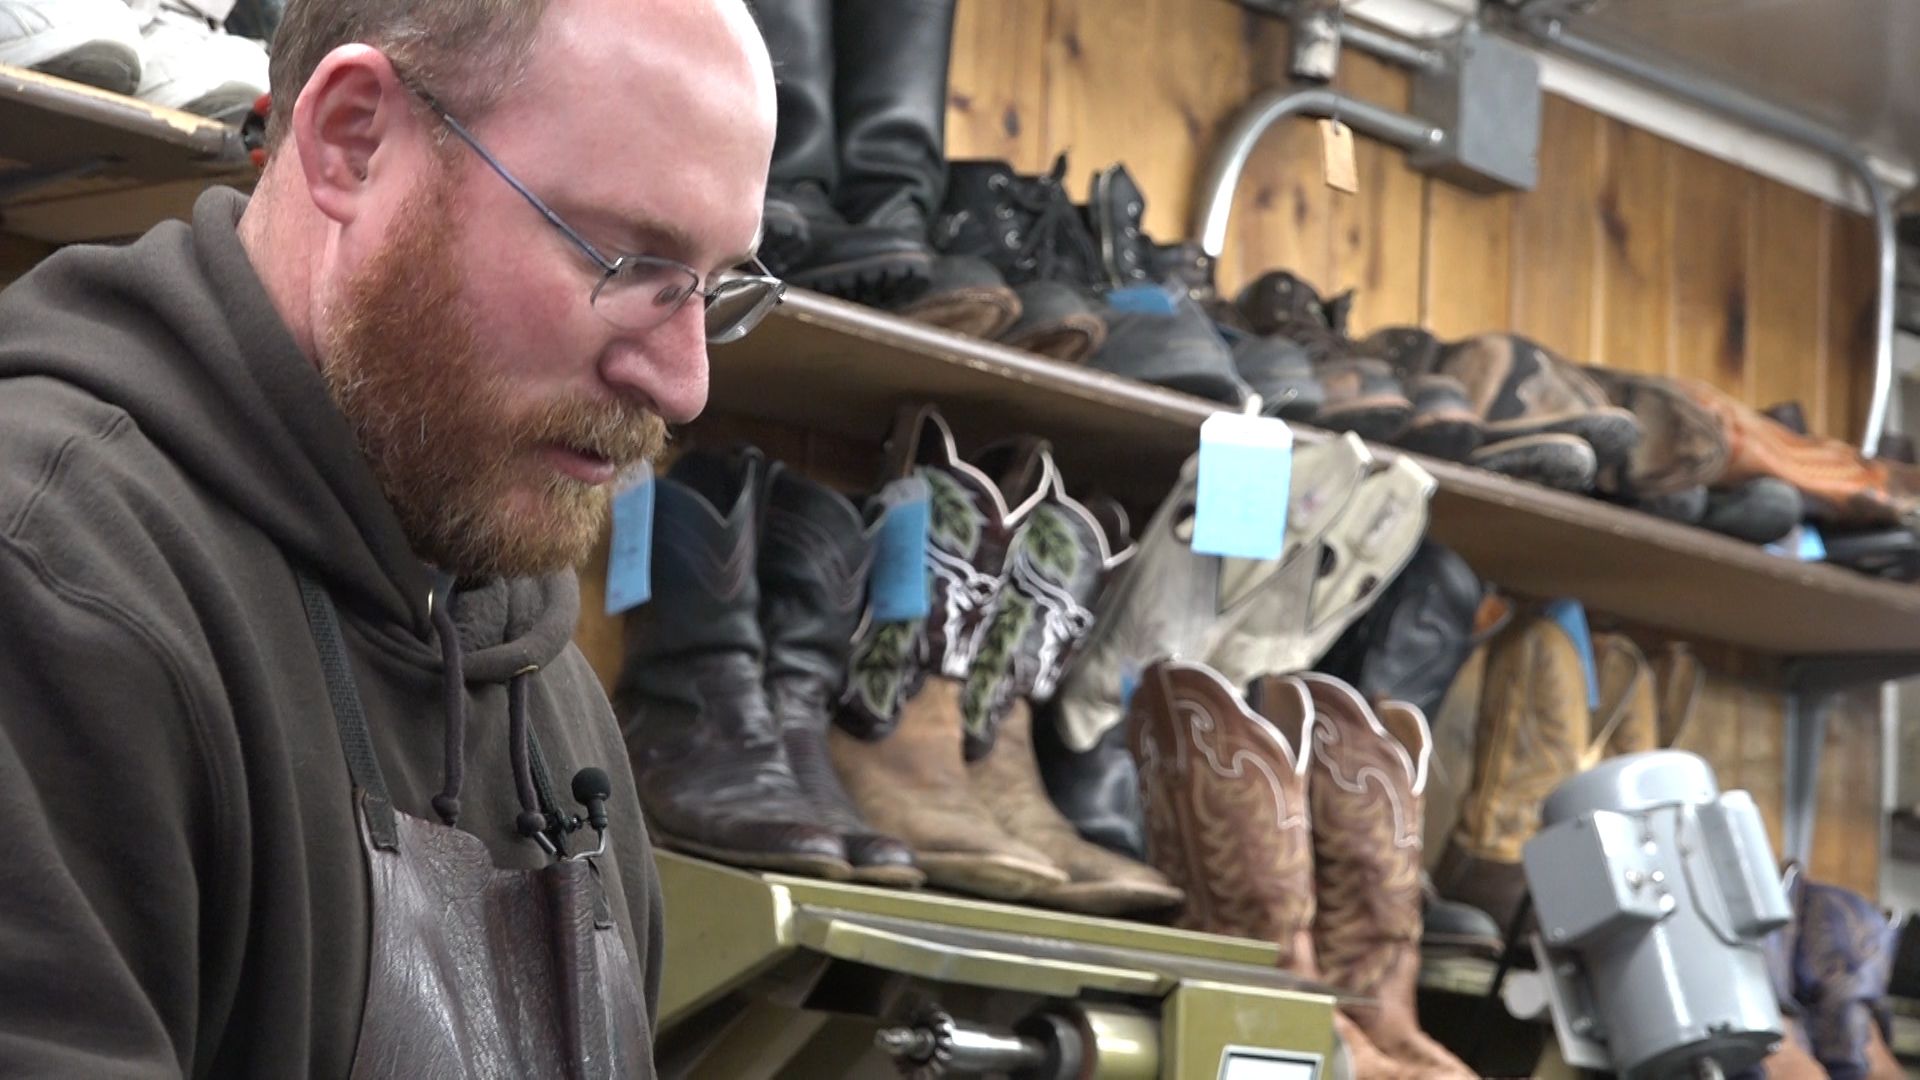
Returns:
point(300, 773)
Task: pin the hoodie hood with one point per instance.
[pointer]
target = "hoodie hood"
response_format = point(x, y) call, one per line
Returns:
point(243, 411)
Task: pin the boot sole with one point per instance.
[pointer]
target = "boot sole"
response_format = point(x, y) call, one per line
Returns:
point(878, 280)
point(820, 866)
point(1110, 897)
point(895, 877)
point(1374, 421)
point(997, 877)
point(1446, 439)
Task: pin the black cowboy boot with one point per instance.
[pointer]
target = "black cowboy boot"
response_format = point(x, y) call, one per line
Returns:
point(711, 768)
point(806, 153)
point(814, 557)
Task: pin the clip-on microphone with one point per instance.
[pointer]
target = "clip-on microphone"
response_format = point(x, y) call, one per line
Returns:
point(591, 789)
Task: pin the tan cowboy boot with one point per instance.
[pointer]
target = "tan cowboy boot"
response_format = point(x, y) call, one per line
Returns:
point(1678, 678)
point(903, 763)
point(1533, 729)
point(1368, 773)
point(1627, 720)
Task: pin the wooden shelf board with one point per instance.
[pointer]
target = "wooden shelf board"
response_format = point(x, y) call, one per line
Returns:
point(147, 163)
point(837, 367)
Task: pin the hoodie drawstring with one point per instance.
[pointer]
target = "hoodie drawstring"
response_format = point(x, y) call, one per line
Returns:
point(532, 822)
point(447, 803)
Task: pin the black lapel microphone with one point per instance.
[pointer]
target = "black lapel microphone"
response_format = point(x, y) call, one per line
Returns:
point(592, 789)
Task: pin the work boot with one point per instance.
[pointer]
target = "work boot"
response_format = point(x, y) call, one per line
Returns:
point(1281, 302)
point(1417, 636)
point(1627, 720)
point(1759, 511)
point(1361, 395)
point(1681, 446)
point(806, 152)
point(1368, 772)
point(1562, 462)
point(1178, 348)
point(1522, 389)
point(906, 770)
point(1030, 231)
point(708, 759)
point(1059, 566)
point(814, 556)
point(1279, 371)
point(1412, 350)
point(1443, 424)
point(964, 294)
point(1225, 789)
point(1533, 728)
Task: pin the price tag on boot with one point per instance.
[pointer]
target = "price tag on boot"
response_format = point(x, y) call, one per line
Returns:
point(1336, 156)
point(1246, 474)
point(630, 556)
point(897, 588)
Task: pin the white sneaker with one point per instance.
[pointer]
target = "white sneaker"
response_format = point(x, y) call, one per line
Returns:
point(96, 42)
point(189, 63)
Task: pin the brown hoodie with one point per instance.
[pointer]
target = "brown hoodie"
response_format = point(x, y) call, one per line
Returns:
point(182, 888)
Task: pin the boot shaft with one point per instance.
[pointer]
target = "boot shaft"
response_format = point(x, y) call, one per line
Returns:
point(799, 36)
point(890, 97)
point(1534, 727)
point(815, 554)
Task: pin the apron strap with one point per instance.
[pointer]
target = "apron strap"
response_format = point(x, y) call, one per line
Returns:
point(324, 623)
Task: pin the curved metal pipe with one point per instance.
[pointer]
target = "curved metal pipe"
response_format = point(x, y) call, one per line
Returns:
point(1548, 28)
point(1267, 108)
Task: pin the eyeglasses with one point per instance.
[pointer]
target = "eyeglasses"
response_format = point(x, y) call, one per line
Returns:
point(640, 292)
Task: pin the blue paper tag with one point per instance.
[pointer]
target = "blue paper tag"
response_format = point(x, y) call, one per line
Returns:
point(630, 560)
point(1246, 475)
point(1572, 617)
point(1804, 543)
point(898, 585)
point(1143, 300)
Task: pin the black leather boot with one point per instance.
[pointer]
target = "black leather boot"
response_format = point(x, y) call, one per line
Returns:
point(711, 767)
point(1099, 790)
point(806, 150)
point(814, 556)
point(889, 110)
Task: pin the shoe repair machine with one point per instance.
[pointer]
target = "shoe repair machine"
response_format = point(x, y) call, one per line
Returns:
point(774, 976)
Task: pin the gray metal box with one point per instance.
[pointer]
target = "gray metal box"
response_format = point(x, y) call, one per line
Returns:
point(1486, 97)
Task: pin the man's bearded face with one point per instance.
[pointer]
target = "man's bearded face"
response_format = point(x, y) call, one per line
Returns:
point(460, 452)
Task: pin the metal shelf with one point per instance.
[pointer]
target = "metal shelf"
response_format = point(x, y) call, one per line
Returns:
point(838, 367)
point(79, 163)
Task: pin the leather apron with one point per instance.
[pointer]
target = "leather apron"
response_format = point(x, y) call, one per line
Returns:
point(476, 971)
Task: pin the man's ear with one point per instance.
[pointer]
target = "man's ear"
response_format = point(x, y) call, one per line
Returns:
point(353, 103)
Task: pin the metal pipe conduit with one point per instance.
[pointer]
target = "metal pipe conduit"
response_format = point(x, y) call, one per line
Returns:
point(1395, 50)
point(1544, 23)
point(1269, 107)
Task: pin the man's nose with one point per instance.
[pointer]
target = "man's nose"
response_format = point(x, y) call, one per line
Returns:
point(666, 364)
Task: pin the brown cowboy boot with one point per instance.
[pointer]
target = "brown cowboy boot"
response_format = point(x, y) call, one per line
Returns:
point(1368, 772)
point(1059, 565)
point(902, 730)
point(1225, 790)
point(1533, 729)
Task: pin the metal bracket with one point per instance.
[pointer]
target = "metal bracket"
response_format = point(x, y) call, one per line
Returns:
point(1475, 120)
point(1812, 685)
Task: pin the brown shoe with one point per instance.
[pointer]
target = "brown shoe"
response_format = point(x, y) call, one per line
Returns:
point(1225, 790)
point(1521, 388)
point(1058, 566)
point(1368, 773)
point(1533, 727)
point(1839, 485)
